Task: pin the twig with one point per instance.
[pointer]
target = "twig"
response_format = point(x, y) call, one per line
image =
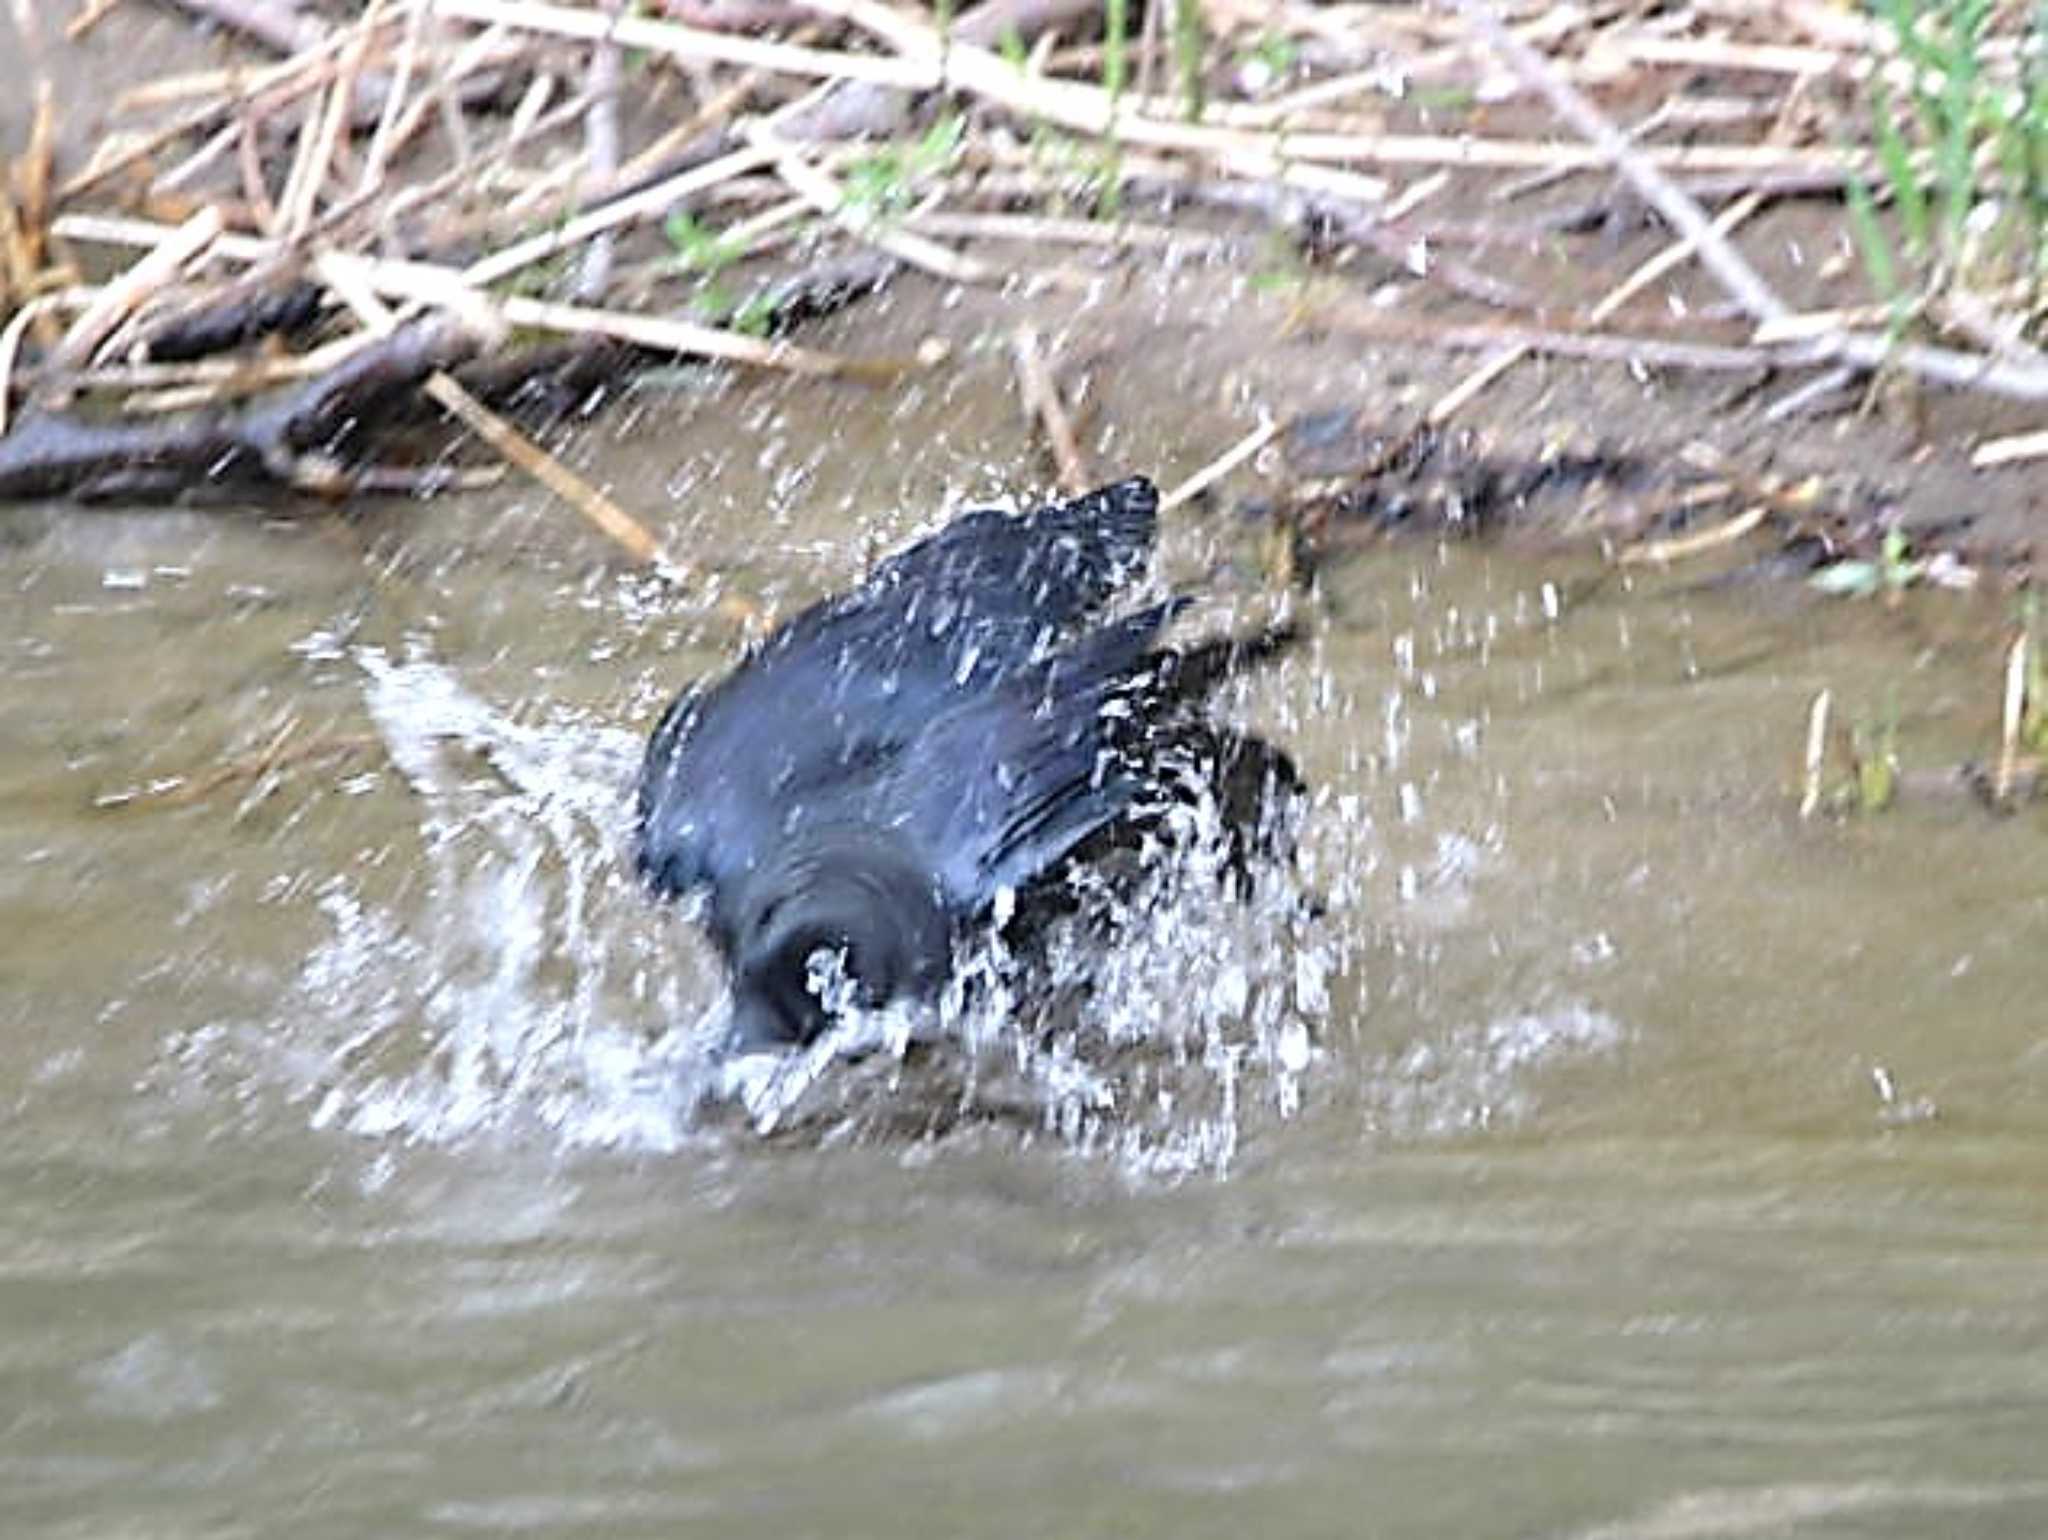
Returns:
point(1042, 401)
point(601, 153)
point(830, 199)
point(2011, 718)
point(1663, 552)
point(1222, 465)
point(10, 345)
point(394, 99)
point(683, 337)
point(647, 204)
point(119, 299)
point(280, 753)
point(691, 43)
point(1686, 216)
point(426, 283)
point(199, 161)
point(1653, 352)
point(89, 16)
point(1948, 367)
point(1720, 54)
point(273, 86)
point(1043, 230)
point(2010, 450)
point(927, 62)
point(586, 499)
point(1808, 397)
point(1816, 752)
point(1454, 400)
point(324, 129)
point(249, 164)
point(442, 287)
point(447, 392)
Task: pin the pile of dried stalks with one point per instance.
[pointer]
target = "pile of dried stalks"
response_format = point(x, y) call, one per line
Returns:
point(412, 196)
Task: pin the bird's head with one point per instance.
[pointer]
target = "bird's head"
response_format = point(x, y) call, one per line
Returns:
point(841, 919)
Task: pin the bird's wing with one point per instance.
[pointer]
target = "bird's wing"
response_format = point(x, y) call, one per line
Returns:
point(819, 714)
point(1051, 566)
point(998, 790)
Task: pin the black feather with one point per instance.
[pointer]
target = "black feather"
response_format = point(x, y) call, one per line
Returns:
point(872, 779)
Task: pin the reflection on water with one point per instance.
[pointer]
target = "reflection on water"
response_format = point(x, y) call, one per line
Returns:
point(1603, 1153)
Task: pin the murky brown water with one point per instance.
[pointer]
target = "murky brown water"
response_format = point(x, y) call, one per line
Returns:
point(1666, 1167)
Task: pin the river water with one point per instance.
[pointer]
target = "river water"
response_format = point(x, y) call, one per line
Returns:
point(1604, 1151)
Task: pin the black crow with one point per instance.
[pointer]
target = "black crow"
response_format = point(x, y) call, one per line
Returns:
point(898, 764)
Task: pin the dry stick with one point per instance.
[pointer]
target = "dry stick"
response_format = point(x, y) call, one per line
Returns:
point(2013, 715)
point(1041, 230)
point(365, 278)
point(1715, 53)
point(1806, 398)
point(426, 283)
point(424, 195)
point(401, 82)
point(1686, 216)
point(1089, 109)
point(289, 80)
point(443, 388)
point(601, 153)
point(33, 171)
point(1720, 257)
point(120, 298)
point(200, 161)
point(1663, 552)
point(249, 162)
point(453, 123)
point(830, 199)
point(91, 16)
point(298, 177)
point(1806, 325)
point(10, 345)
point(692, 43)
point(551, 473)
point(646, 204)
point(2010, 450)
point(280, 755)
point(482, 52)
point(1536, 181)
point(711, 342)
point(1042, 401)
point(629, 177)
point(1608, 347)
point(300, 199)
point(1816, 751)
point(213, 373)
point(1222, 465)
point(929, 62)
point(713, 112)
point(1453, 400)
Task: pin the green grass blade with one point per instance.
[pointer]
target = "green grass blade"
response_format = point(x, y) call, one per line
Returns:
point(1871, 241)
point(1115, 47)
point(1895, 157)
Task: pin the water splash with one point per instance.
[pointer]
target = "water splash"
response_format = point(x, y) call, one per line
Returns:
point(526, 981)
point(532, 982)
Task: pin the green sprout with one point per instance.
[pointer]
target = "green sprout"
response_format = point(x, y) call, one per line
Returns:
point(1961, 154)
point(1894, 569)
point(886, 183)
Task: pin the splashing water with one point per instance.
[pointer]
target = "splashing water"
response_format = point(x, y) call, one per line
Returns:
point(534, 983)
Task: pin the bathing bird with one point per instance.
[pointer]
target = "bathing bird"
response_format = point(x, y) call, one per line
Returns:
point(927, 754)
